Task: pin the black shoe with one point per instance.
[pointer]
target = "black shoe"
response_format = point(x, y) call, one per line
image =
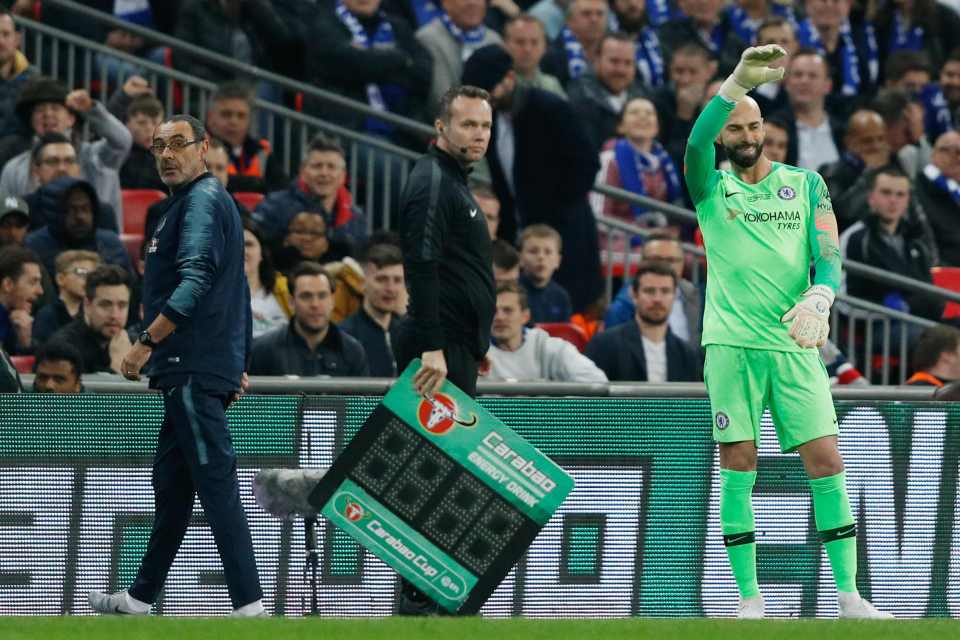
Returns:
point(413, 602)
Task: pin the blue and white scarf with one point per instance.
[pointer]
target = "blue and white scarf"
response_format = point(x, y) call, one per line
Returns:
point(936, 111)
point(746, 27)
point(469, 40)
point(631, 165)
point(952, 187)
point(135, 11)
point(649, 58)
point(379, 97)
point(425, 11)
point(903, 38)
point(660, 11)
point(808, 36)
point(577, 63)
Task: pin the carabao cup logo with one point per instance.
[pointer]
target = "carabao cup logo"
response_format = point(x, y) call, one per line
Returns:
point(438, 414)
point(353, 511)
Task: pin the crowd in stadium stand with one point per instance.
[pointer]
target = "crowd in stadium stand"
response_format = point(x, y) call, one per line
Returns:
point(583, 91)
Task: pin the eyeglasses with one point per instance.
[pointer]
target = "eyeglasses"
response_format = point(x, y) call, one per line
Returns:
point(56, 162)
point(176, 145)
point(80, 271)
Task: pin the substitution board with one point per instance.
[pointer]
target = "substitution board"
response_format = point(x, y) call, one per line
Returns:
point(442, 491)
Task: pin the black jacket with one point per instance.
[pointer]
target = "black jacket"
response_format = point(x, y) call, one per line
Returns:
point(282, 352)
point(619, 352)
point(943, 214)
point(866, 245)
point(590, 100)
point(336, 65)
point(194, 276)
point(448, 257)
point(554, 169)
point(50, 319)
point(93, 347)
point(379, 345)
point(679, 31)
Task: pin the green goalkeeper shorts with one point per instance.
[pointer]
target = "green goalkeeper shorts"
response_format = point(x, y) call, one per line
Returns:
point(743, 382)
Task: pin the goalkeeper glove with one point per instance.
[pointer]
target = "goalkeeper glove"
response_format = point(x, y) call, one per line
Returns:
point(752, 71)
point(811, 317)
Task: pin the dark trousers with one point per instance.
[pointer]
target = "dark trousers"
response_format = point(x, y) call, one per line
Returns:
point(462, 368)
point(195, 456)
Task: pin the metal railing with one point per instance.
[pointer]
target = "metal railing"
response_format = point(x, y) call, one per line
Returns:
point(377, 170)
point(278, 385)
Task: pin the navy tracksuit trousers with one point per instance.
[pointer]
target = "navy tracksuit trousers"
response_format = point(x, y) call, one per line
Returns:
point(195, 456)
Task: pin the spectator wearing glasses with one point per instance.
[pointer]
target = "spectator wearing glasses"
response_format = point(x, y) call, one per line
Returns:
point(58, 369)
point(44, 106)
point(72, 269)
point(938, 191)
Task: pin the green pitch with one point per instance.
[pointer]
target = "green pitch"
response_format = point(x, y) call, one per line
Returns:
point(76, 628)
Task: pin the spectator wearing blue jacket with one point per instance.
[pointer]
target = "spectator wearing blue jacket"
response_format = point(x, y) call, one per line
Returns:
point(199, 330)
point(77, 209)
point(321, 187)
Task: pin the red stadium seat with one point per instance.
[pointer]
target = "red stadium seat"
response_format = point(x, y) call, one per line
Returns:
point(23, 364)
point(567, 331)
point(249, 199)
point(135, 205)
point(948, 278)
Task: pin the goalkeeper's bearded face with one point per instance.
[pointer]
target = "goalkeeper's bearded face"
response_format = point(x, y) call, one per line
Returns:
point(742, 135)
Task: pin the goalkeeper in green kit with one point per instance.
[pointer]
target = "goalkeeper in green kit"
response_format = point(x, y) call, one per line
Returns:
point(762, 225)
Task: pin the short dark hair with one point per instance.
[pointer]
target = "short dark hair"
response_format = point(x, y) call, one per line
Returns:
point(656, 267)
point(147, 104)
point(309, 268)
point(322, 143)
point(886, 170)
point(617, 36)
point(199, 131)
point(505, 255)
point(46, 139)
point(233, 90)
point(953, 56)
point(775, 21)
point(460, 91)
point(810, 51)
point(902, 62)
point(692, 50)
point(384, 255)
point(59, 350)
point(266, 270)
point(12, 259)
point(106, 275)
point(933, 342)
point(510, 286)
point(891, 104)
point(778, 121)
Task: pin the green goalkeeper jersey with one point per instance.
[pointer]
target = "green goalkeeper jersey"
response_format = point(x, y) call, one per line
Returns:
point(759, 239)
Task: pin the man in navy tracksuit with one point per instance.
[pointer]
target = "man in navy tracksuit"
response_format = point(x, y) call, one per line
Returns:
point(197, 311)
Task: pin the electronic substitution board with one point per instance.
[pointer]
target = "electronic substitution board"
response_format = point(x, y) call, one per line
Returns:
point(442, 491)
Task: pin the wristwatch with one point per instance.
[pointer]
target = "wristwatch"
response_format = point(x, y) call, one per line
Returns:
point(145, 339)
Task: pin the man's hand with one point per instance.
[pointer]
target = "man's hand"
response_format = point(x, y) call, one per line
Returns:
point(120, 348)
point(811, 317)
point(79, 101)
point(136, 86)
point(753, 70)
point(244, 385)
point(432, 373)
point(22, 323)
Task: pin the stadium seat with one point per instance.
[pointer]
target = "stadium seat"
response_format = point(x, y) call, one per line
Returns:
point(567, 331)
point(23, 364)
point(249, 199)
point(135, 205)
point(948, 278)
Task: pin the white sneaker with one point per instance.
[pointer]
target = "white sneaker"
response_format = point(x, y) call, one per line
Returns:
point(751, 608)
point(252, 610)
point(117, 603)
point(853, 605)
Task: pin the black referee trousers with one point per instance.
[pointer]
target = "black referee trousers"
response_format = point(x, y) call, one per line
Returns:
point(195, 456)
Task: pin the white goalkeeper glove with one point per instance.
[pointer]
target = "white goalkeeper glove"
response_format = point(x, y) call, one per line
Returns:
point(752, 71)
point(811, 317)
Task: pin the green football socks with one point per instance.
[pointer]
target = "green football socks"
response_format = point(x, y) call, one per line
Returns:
point(736, 520)
point(838, 532)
